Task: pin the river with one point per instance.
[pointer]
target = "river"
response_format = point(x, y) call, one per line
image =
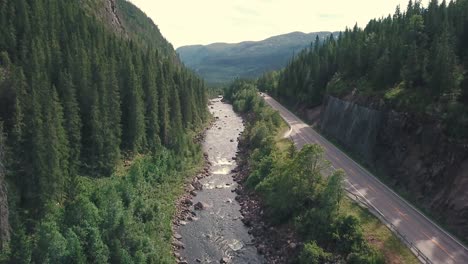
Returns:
point(217, 233)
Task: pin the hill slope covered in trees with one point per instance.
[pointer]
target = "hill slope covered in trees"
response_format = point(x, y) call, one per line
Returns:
point(223, 62)
point(411, 69)
point(83, 86)
point(417, 60)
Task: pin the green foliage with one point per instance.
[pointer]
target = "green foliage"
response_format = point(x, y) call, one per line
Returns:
point(313, 254)
point(299, 177)
point(337, 86)
point(422, 51)
point(219, 64)
point(294, 188)
point(77, 93)
point(141, 28)
point(368, 256)
point(348, 234)
point(51, 245)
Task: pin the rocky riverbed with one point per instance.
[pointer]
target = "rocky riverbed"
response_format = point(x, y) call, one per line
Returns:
point(209, 226)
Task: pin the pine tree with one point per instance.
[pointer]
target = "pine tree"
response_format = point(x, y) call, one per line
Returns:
point(72, 119)
point(113, 127)
point(134, 125)
point(164, 108)
point(4, 216)
point(151, 106)
point(443, 64)
point(55, 176)
point(176, 120)
point(73, 95)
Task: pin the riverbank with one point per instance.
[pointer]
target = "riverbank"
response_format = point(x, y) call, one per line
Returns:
point(207, 227)
point(278, 243)
point(295, 204)
point(183, 206)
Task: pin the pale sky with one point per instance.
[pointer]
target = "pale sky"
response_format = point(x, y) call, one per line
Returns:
point(187, 22)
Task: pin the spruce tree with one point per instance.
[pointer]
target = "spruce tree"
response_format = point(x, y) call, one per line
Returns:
point(55, 175)
point(151, 105)
point(164, 108)
point(134, 125)
point(72, 119)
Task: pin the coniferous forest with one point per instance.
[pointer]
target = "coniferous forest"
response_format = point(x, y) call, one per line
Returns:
point(415, 61)
point(80, 100)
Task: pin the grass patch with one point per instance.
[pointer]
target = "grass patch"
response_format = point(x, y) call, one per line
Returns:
point(393, 93)
point(378, 235)
point(282, 143)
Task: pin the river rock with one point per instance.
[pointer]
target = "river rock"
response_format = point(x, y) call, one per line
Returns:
point(261, 249)
point(197, 185)
point(178, 244)
point(190, 188)
point(247, 222)
point(187, 201)
point(225, 260)
point(177, 236)
point(199, 206)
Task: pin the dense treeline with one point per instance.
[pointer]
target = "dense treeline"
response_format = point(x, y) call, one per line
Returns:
point(414, 60)
point(294, 188)
point(75, 99)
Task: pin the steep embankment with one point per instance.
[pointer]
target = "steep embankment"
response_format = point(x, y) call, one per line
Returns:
point(412, 153)
point(125, 19)
point(98, 116)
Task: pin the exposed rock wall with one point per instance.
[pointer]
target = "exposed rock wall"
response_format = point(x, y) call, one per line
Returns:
point(413, 153)
point(353, 126)
point(112, 18)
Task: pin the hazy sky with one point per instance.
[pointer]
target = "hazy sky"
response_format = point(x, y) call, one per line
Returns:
point(186, 22)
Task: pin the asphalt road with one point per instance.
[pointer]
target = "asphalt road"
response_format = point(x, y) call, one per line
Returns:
point(436, 245)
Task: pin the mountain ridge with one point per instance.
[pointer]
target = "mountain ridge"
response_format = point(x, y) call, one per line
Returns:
point(221, 62)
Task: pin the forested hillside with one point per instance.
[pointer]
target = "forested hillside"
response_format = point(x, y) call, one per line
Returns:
point(414, 60)
point(220, 63)
point(78, 98)
point(395, 95)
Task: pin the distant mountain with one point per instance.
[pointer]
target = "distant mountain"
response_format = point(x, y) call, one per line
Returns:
point(222, 62)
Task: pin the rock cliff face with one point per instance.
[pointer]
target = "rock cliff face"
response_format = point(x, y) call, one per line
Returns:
point(353, 126)
point(413, 153)
point(112, 17)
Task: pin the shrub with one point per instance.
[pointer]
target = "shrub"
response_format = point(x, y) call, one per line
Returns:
point(313, 254)
point(369, 256)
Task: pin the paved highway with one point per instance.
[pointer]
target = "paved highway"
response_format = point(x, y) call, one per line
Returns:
point(424, 237)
